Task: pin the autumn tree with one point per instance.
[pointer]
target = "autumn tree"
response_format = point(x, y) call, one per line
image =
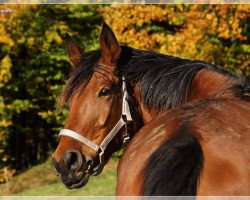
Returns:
point(214, 33)
point(34, 66)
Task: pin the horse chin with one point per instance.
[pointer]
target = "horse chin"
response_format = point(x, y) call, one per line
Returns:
point(78, 184)
point(97, 170)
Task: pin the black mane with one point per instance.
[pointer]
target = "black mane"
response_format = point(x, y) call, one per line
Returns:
point(164, 80)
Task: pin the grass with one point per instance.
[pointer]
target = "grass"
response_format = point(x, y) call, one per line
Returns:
point(40, 180)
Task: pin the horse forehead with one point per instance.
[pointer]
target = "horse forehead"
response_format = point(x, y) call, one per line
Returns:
point(101, 77)
point(96, 81)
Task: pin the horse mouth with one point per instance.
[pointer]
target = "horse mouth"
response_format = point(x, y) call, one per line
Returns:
point(78, 183)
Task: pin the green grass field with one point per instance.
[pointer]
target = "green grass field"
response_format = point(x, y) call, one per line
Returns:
point(40, 180)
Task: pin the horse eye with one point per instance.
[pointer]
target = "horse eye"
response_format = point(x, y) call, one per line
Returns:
point(105, 92)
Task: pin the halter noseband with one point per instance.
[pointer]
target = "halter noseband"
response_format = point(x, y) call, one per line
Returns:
point(125, 117)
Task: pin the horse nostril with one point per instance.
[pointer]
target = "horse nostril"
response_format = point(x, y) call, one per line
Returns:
point(72, 159)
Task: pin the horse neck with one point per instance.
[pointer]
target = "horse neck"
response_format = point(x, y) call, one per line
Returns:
point(211, 84)
point(147, 114)
point(206, 84)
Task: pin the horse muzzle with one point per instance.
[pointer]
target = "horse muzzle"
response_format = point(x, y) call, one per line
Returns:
point(73, 169)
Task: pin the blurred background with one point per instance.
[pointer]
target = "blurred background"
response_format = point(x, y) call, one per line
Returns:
point(34, 67)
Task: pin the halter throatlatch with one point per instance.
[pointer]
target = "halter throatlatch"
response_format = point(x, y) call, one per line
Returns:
point(125, 117)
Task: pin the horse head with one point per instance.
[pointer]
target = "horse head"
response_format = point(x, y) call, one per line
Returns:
point(101, 117)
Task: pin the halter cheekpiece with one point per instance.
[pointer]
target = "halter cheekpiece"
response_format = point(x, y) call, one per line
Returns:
point(125, 117)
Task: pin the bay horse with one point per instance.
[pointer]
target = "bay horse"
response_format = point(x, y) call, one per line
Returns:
point(200, 148)
point(114, 91)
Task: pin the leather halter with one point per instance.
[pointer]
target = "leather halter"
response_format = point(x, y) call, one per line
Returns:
point(100, 149)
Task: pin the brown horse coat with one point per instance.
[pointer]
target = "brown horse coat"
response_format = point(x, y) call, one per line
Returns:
point(222, 128)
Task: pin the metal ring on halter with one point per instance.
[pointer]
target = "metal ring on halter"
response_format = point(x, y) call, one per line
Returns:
point(100, 149)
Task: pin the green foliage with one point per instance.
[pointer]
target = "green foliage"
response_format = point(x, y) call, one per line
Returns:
point(33, 70)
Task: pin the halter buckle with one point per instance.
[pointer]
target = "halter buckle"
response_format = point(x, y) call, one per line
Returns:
point(125, 141)
point(126, 136)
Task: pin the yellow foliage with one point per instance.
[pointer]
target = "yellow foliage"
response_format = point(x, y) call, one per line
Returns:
point(4, 158)
point(17, 9)
point(5, 73)
point(186, 28)
point(5, 123)
point(4, 37)
point(31, 41)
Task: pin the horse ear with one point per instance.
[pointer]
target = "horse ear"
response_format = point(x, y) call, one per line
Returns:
point(109, 46)
point(74, 52)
